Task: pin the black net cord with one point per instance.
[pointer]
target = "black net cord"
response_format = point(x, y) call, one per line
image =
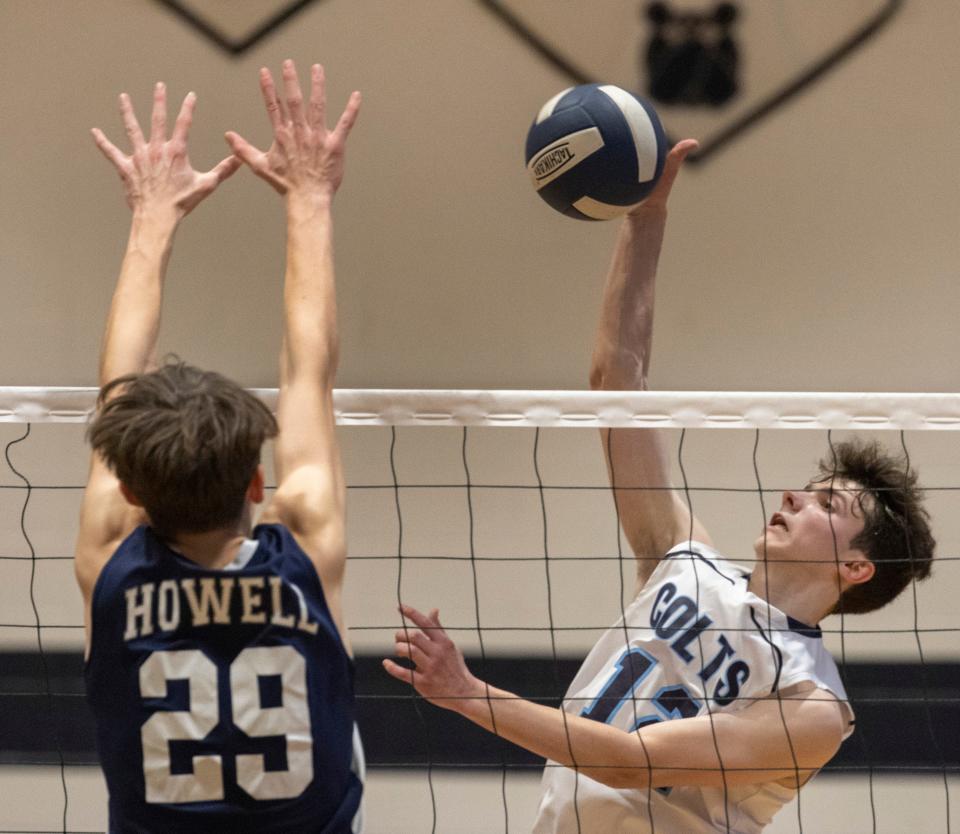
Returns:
point(775, 658)
point(415, 697)
point(614, 486)
point(476, 611)
point(864, 744)
point(924, 681)
point(51, 710)
point(688, 497)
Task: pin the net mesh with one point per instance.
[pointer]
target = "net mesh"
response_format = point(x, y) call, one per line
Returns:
point(488, 506)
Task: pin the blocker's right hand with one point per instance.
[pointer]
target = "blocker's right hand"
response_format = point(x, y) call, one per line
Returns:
point(305, 157)
point(157, 175)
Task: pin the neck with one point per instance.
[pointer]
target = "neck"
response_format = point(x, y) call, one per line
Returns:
point(210, 549)
point(785, 586)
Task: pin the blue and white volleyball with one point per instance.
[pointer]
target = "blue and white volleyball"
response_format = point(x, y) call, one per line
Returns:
point(595, 151)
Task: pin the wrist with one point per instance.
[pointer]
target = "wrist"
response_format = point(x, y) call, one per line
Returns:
point(151, 233)
point(647, 211)
point(307, 204)
point(476, 702)
point(156, 220)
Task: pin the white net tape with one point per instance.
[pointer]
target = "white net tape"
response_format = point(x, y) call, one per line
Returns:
point(670, 409)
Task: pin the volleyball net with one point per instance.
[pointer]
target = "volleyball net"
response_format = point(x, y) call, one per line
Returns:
point(495, 507)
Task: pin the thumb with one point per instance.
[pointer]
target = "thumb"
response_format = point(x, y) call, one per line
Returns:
point(241, 148)
point(678, 153)
point(226, 168)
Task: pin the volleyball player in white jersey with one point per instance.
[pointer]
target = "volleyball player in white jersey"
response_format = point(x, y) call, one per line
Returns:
point(712, 700)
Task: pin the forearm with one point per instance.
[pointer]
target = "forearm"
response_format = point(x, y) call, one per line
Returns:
point(764, 743)
point(637, 462)
point(621, 354)
point(597, 750)
point(311, 340)
point(133, 323)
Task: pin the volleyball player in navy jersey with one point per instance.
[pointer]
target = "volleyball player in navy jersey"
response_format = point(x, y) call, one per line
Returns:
point(712, 700)
point(218, 667)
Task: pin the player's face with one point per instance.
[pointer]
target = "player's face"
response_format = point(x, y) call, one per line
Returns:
point(815, 524)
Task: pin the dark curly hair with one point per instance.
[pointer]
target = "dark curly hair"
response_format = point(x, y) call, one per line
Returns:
point(186, 442)
point(896, 533)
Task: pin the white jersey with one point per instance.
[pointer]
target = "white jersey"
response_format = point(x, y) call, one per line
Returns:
point(693, 632)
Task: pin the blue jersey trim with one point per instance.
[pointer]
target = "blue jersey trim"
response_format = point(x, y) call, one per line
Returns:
point(777, 654)
point(797, 627)
point(806, 630)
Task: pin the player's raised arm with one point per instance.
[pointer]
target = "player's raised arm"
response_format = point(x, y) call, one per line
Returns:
point(161, 188)
point(305, 164)
point(654, 517)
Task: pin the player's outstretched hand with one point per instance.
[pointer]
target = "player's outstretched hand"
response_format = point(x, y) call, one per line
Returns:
point(157, 174)
point(671, 167)
point(305, 157)
point(441, 675)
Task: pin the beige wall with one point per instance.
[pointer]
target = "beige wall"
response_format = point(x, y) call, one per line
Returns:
point(819, 252)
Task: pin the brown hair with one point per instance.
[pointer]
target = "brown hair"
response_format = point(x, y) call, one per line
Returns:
point(896, 533)
point(186, 442)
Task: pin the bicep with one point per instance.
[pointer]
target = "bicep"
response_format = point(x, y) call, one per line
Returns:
point(307, 430)
point(768, 741)
point(653, 515)
point(311, 494)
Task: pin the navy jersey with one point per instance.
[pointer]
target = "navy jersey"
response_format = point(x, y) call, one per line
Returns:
point(223, 698)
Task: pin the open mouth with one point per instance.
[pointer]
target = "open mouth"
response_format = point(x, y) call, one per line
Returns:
point(777, 520)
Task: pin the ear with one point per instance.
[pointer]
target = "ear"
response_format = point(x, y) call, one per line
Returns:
point(857, 568)
point(256, 489)
point(128, 495)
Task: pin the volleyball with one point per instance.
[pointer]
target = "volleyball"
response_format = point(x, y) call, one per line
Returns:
point(595, 151)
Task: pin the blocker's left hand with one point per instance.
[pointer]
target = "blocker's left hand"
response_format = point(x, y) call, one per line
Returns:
point(157, 174)
point(441, 675)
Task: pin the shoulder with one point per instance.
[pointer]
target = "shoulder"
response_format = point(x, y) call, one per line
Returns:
point(127, 557)
point(693, 556)
point(281, 548)
point(298, 561)
point(314, 514)
point(276, 539)
point(277, 543)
